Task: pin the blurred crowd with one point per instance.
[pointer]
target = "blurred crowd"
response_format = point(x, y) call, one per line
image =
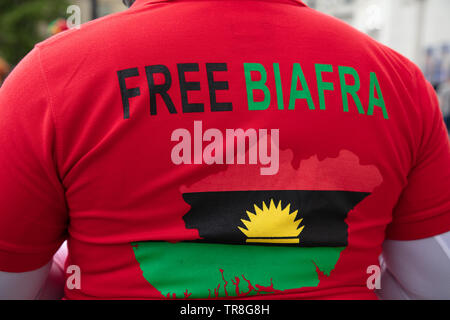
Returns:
point(437, 71)
point(4, 70)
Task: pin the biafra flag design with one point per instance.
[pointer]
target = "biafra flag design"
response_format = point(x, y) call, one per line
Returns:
point(260, 235)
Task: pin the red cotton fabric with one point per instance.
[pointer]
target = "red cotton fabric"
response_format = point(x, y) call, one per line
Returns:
point(118, 137)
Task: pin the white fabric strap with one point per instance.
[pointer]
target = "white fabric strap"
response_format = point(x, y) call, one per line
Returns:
point(416, 269)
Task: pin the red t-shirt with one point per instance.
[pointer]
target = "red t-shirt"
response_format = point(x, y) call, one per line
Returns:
point(218, 149)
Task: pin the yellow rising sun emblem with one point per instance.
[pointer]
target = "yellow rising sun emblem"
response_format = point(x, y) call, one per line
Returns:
point(272, 225)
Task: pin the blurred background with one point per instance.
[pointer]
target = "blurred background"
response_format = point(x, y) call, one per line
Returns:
point(419, 29)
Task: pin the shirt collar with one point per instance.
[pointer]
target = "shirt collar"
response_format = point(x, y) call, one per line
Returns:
point(141, 3)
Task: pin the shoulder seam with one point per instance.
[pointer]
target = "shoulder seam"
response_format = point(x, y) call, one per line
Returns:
point(418, 96)
point(50, 102)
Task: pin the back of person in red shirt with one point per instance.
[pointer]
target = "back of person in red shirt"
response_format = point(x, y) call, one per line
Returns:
point(218, 149)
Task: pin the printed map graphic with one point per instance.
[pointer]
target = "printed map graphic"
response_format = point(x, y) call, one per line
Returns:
point(260, 235)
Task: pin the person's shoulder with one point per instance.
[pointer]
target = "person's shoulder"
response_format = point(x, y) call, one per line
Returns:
point(400, 62)
point(351, 38)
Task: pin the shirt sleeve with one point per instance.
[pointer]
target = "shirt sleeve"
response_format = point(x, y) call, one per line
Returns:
point(423, 209)
point(33, 214)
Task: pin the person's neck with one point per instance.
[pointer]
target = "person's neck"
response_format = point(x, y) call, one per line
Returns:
point(128, 3)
